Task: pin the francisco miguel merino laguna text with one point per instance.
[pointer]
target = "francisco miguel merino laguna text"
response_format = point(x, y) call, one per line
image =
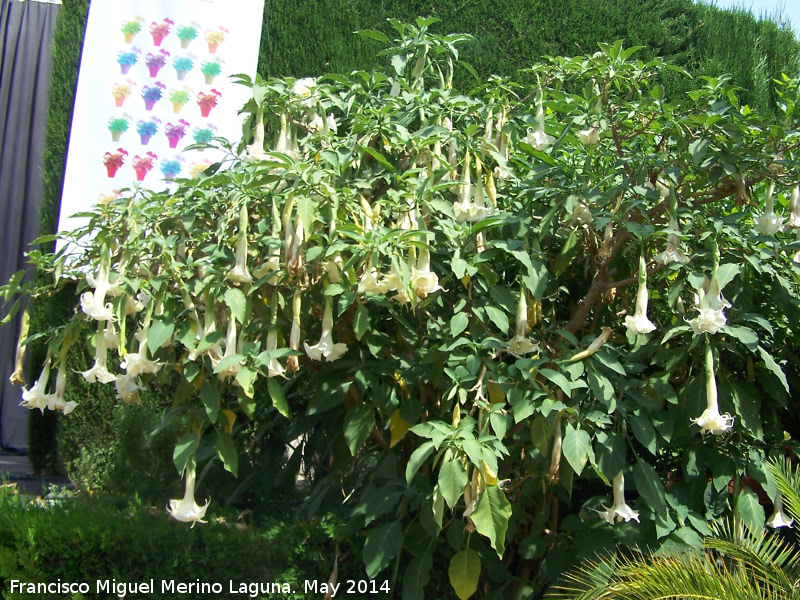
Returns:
point(168, 586)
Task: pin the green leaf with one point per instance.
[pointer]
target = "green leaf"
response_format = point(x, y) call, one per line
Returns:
point(559, 379)
point(464, 572)
point(491, 517)
point(576, 447)
point(382, 160)
point(568, 253)
point(158, 335)
point(358, 424)
point(236, 301)
point(382, 545)
point(419, 456)
point(226, 450)
point(698, 149)
point(372, 34)
point(184, 450)
point(749, 510)
point(361, 321)
point(774, 368)
point(726, 273)
point(452, 479)
point(209, 395)
point(458, 323)
point(278, 397)
point(307, 212)
point(644, 432)
point(417, 576)
point(498, 317)
point(246, 377)
point(229, 361)
point(651, 487)
point(611, 453)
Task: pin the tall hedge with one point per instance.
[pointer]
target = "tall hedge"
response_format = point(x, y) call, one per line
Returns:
point(316, 36)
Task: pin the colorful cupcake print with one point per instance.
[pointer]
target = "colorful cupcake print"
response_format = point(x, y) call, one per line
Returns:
point(143, 165)
point(120, 91)
point(118, 125)
point(156, 61)
point(127, 58)
point(160, 30)
point(147, 129)
point(114, 160)
point(203, 135)
point(179, 97)
point(207, 100)
point(183, 64)
point(152, 94)
point(131, 27)
point(175, 132)
point(187, 33)
point(171, 168)
point(211, 68)
point(214, 37)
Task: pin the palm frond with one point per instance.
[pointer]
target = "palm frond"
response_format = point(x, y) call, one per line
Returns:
point(773, 561)
point(695, 576)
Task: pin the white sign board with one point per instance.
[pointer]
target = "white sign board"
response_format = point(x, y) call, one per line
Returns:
point(155, 78)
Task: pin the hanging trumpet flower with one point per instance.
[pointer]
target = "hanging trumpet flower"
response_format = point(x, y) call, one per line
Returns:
point(619, 510)
point(768, 223)
point(778, 517)
point(539, 139)
point(255, 151)
point(187, 510)
point(710, 303)
point(239, 273)
point(99, 371)
point(36, 397)
point(520, 345)
point(711, 421)
point(325, 349)
point(639, 322)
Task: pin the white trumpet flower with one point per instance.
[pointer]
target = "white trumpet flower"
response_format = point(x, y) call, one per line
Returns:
point(618, 511)
point(239, 273)
point(779, 518)
point(187, 510)
point(520, 345)
point(539, 139)
point(768, 223)
point(794, 210)
point(639, 322)
point(94, 303)
point(36, 397)
point(423, 280)
point(325, 349)
point(99, 371)
point(128, 389)
point(590, 136)
point(672, 253)
point(711, 421)
point(711, 306)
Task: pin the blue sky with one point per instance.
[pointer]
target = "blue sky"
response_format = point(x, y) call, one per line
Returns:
point(790, 9)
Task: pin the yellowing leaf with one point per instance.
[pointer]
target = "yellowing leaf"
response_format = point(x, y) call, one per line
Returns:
point(496, 395)
point(464, 572)
point(489, 476)
point(230, 417)
point(398, 427)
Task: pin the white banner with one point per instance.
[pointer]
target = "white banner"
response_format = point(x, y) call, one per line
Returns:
point(154, 78)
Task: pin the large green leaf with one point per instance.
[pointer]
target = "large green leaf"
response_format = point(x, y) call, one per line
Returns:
point(160, 332)
point(358, 424)
point(452, 479)
point(651, 487)
point(227, 453)
point(464, 573)
point(749, 509)
point(416, 577)
point(576, 447)
point(491, 517)
point(382, 545)
point(236, 301)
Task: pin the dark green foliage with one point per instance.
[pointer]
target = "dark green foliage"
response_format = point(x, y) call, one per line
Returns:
point(312, 37)
point(91, 540)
